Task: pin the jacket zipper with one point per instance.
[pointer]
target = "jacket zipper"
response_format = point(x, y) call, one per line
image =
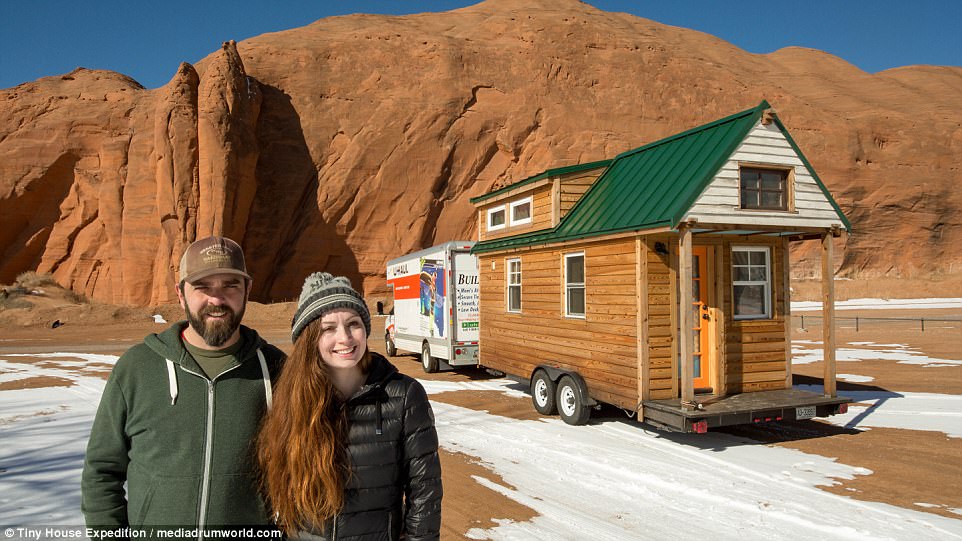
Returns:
point(208, 449)
point(208, 455)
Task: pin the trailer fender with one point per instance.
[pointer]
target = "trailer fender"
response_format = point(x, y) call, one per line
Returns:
point(556, 374)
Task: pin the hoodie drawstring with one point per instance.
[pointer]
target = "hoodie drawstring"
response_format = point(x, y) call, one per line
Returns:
point(265, 373)
point(172, 381)
point(268, 392)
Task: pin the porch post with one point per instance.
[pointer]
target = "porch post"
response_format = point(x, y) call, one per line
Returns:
point(684, 308)
point(643, 360)
point(828, 313)
point(787, 292)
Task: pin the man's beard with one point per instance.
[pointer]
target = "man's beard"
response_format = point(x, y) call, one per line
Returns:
point(216, 332)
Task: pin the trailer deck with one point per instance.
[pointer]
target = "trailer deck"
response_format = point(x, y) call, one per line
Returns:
point(744, 408)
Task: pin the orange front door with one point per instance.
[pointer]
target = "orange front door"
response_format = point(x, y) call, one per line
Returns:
point(701, 320)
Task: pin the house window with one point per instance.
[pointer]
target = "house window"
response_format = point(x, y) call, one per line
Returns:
point(513, 267)
point(496, 218)
point(764, 189)
point(521, 212)
point(752, 283)
point(575, 285)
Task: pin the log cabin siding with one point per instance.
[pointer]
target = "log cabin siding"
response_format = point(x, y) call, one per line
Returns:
point(661, 338)
point(764, 146)
point(755, 349)
point(602, 347)
point(573, 187)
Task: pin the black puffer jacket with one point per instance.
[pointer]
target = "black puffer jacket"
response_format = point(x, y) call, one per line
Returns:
point(396, 483)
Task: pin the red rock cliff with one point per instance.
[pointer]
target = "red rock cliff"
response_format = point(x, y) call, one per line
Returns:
point(355, 139)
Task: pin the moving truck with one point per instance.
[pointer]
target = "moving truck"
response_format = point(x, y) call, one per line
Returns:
point(435, 311)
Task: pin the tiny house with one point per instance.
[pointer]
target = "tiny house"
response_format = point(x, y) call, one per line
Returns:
point(659, 281)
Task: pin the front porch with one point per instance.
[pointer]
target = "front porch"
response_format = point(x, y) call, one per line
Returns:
point(743, 408)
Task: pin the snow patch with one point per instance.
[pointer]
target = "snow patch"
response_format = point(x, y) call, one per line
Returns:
point(611, 480)
point(854, 378)
point(899, 353)
point(880, 304)
point(908, 411)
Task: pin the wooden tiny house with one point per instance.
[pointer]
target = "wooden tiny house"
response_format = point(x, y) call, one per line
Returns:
point(659, 281)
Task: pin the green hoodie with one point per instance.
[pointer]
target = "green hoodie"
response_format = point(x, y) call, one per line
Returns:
point(182, 442)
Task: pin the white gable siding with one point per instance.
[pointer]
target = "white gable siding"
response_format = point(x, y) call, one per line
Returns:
point(719, 202)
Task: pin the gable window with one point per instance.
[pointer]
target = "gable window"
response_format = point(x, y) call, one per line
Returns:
point(513, 293)
point(521, 212)
point(764, 189)
point(751, 282)
point(575, 285)
point(496, 218)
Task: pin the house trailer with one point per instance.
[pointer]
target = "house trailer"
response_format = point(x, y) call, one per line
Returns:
point(659, 281)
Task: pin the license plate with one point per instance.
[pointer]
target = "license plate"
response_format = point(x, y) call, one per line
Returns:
point(805, 412)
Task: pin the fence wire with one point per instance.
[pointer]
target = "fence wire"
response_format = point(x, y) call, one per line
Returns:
point(803, 321)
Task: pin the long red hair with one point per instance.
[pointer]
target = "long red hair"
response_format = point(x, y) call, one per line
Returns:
point(302, 444)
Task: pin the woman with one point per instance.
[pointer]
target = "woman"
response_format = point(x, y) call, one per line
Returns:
point(349, 449)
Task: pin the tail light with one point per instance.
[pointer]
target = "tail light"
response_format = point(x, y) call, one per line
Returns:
point(699, 427)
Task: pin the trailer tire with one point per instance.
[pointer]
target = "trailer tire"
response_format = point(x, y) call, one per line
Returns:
point(389, 348)
point(571, 405)
point(428, 361)
point(543, 392)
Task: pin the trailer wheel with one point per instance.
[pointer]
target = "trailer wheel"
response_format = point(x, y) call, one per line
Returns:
point(389, 348)
point(571, 406)
point(428, 362)
point(543, 392)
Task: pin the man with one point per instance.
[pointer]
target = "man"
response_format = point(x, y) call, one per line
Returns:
point(179, 412)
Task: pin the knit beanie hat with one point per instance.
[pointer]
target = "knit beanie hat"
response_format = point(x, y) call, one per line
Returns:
point(323, 293)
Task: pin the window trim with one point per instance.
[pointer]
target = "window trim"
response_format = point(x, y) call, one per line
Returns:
point(495, 210)
point(789, 172)
point(767, 284)
point(514, 204)
point(568, 286)
point(508, 285)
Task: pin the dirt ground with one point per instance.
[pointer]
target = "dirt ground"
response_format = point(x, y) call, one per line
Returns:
point(908, 466)
point(874, 288)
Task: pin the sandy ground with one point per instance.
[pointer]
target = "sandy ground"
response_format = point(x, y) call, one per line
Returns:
point(909, 466)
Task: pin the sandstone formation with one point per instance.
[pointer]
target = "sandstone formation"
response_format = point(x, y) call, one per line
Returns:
point(355, 139)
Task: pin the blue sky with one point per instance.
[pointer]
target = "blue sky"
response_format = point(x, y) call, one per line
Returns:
point(148, 40)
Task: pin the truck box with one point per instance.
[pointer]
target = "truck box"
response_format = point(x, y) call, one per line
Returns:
point(435, 305)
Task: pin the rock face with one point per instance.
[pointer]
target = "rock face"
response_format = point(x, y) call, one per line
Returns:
point(356, 139)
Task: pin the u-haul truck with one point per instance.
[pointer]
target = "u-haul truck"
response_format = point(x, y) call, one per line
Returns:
point(436, 295)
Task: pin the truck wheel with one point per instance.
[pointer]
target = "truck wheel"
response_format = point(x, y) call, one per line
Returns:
point(571, 406)
point(389, 348)
point(543, 393)
point(428, 362)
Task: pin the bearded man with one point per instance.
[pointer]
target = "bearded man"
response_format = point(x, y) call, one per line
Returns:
point(179, 411)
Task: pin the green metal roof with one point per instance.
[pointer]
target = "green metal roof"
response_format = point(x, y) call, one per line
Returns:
point(654, 185)
point(546, 174)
